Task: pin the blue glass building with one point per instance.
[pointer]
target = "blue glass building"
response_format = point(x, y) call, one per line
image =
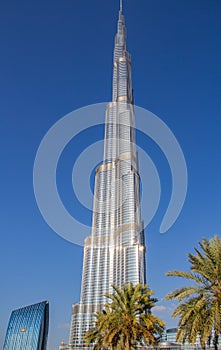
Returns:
point(28, 328)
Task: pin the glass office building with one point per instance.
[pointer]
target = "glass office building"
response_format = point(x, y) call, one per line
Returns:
point(28, 328)
point(115, 251)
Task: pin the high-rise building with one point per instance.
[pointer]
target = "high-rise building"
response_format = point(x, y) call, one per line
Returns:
point(115, 251)
point(28, 328)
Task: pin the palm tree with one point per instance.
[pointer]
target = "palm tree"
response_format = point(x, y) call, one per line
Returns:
point(199, 308)
point(126, 320)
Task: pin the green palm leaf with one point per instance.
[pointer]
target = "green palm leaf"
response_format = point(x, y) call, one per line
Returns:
point(126, 321)
point(199, 308)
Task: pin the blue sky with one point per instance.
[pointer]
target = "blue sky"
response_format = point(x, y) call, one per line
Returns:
point(56, 56)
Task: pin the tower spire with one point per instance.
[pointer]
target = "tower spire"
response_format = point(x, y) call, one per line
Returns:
point(121, 5)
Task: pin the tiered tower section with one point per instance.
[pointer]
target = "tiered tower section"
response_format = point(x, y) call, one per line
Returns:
point(115, 251)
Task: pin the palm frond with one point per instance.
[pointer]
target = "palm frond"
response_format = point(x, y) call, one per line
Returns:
point(199, 308)
point(127, 320)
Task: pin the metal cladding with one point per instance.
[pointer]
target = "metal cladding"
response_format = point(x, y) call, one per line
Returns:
point(115, 251)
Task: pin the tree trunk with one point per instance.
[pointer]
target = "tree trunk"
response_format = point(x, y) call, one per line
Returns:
point(127, 343)
point(203, 345)
point(215, 341)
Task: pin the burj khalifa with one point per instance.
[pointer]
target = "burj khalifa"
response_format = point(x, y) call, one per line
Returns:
point(114, 253)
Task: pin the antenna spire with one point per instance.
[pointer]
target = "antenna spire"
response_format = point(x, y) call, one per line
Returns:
point(121, 5)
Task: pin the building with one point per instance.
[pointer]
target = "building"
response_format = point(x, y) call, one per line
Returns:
point(28, 328)
point(64, 346)
point(171, 334)
point(115, 251)
point(169, 337)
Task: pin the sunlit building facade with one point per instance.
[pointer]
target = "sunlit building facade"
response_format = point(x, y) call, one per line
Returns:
point(115, 251)
point(28, 328)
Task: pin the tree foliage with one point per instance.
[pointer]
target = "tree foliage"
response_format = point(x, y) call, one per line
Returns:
point(126, 320)
point(199, 308)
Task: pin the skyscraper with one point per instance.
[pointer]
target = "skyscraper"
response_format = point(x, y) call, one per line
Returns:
point(28, 328)
point(115, 251)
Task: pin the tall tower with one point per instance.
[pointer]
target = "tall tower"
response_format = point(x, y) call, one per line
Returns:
point(115, 251)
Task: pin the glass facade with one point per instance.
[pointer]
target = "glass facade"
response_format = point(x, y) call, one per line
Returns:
point(115, 251)
point(171, 334)
point(28, 328)
point(169, 337)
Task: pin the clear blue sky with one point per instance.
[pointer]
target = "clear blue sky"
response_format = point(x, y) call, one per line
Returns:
point(56, 56)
